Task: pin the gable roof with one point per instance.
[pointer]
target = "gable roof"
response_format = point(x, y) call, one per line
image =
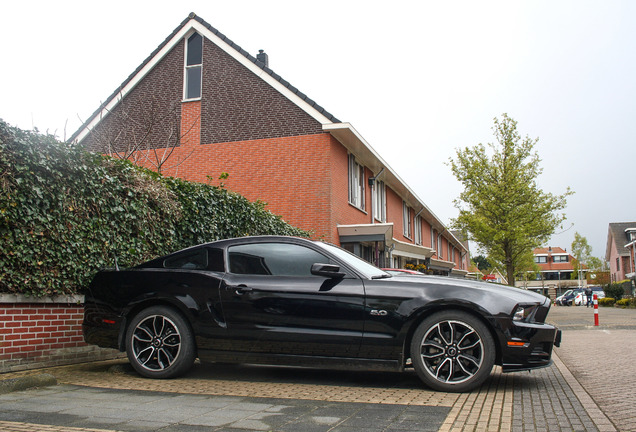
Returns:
point(343, 132)
point(550, 251)
point(194, 22)
point(616, 233)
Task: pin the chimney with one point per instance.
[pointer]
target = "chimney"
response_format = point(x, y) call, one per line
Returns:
point(262, 57)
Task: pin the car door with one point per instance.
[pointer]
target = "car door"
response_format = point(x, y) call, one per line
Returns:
point(273, 304)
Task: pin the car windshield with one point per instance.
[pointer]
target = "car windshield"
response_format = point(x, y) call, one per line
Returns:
point(362, 266)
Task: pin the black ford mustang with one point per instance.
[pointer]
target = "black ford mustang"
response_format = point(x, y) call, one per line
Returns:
point(286, 300)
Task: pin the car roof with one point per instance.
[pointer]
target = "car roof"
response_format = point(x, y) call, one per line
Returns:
point(231, 241)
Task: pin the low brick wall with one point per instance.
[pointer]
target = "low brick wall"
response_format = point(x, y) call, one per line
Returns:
point(44, 332)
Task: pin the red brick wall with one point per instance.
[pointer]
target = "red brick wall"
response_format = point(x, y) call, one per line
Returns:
point(342, 212)
point(43, 334)
point(426, 233)
point(394, 214)
point(291, 174)
point(190, 123)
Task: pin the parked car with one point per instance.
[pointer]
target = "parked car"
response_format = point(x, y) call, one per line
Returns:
point(568, 297)
point(581, 298)
point(287, 300)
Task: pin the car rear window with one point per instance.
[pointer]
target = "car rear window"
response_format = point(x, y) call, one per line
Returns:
point(197, 259)
point(191, 260)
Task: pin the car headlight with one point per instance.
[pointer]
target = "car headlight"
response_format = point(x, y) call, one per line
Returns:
point(524, 313)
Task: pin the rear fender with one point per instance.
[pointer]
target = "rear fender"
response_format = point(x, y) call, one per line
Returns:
point(185, 305)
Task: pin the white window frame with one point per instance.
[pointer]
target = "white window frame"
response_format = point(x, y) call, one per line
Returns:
point(356, 183)
point(417, 230)
point(379, 204)
point(406, 220)
point(440, 251)
point(188, 67)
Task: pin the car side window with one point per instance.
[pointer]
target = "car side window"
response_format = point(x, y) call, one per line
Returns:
point(215, 260)
point(276, 259)
point(191, 260)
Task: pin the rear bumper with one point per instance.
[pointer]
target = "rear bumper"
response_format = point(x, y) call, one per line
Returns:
point(101, 328)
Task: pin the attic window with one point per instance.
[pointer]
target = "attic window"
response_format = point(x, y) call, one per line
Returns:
point(194, 66)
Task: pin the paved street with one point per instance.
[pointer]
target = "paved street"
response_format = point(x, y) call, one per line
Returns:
point(601, 358)
point(589, 388)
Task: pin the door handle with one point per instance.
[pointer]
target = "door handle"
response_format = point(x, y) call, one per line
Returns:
point(240, 289)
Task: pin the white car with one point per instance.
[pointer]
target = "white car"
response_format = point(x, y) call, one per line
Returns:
point(581, 298)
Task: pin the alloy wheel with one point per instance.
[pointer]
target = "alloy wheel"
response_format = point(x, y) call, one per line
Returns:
point(156, 343)
point(452, 352)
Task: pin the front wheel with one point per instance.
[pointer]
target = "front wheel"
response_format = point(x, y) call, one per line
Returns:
point(452, 351)
point(159, 343)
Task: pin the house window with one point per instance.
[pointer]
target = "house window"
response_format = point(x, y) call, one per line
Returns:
point(560, 258)
point(432, 238)
point(541, 259)
point(379, 206)
point(356, 183)
point(618, 264)
point(406, 220)
point(418, 230)
point(439, 246)
point(194, 66)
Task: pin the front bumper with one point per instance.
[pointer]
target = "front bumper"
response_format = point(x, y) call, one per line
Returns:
point(528, 346)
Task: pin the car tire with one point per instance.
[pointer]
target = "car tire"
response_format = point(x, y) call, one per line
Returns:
point(452, 351)
point(159, 343)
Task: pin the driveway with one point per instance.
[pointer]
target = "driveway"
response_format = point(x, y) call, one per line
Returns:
point(580, 392)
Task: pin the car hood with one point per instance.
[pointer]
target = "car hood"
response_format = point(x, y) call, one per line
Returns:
point(517, 295)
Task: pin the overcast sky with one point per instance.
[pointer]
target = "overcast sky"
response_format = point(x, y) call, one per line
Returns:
point(417, 79)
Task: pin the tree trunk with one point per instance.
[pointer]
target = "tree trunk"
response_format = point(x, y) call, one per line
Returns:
point(510, 270)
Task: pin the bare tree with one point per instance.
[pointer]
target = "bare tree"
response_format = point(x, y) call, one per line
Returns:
point(145, 134)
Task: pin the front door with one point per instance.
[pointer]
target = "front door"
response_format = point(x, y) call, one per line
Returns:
point(274, 305)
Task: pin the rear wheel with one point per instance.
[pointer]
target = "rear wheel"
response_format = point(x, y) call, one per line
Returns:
point(452, 351)
point(159, 343)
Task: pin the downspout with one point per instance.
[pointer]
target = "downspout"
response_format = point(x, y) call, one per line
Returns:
point(391, 255)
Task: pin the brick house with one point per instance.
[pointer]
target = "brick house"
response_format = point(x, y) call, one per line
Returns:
point(621, 245)
point(554, 263)
point(556, 269)
point(213, 108)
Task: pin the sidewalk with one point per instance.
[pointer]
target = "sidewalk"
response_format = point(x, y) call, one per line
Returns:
point(110, 396)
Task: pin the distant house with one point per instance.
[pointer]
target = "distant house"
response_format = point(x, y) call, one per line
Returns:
point(200, 106)
point(556, 269)
point(555, 263)
point(496, 276)
point(621, 244)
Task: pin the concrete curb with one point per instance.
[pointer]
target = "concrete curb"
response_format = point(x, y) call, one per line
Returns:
point(27, 382)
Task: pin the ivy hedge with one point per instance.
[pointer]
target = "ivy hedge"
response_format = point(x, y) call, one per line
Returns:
point(65, 213)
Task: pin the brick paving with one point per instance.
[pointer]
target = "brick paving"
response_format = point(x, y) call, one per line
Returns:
point(600, 358)
point(589, 388)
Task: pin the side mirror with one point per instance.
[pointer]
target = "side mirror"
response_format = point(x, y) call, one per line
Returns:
point(327, 270)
